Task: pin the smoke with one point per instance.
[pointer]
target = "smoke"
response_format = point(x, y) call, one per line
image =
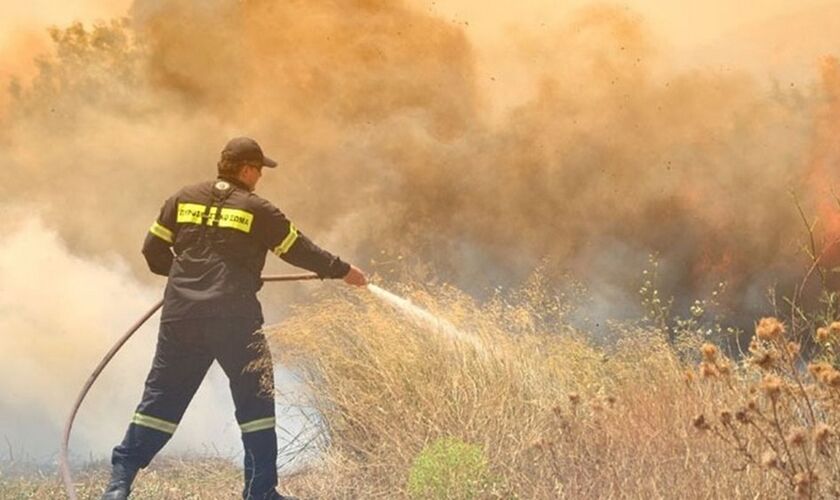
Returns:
point(392, 152)
point(60, 314)
point(14, 68)
point(24, 40)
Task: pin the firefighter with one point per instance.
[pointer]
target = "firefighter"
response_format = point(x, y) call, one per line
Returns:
point(211, 240)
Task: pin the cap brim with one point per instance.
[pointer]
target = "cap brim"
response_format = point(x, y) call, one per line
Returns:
point(268, 162)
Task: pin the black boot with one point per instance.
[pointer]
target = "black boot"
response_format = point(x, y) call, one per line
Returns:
point(270, 495)
point(276, 496)
point(119, 487)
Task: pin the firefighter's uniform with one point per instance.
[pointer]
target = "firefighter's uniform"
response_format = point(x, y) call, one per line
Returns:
point(220, 234)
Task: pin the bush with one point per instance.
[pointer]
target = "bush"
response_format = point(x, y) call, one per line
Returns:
point(775, 416)
point(448, 468)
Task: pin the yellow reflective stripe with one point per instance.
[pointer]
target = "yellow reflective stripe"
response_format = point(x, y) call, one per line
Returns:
point(287, 242)
point(161, 232)
point(233, 218)
point(154, 423)
point(258, 425)
point(236, 219)
point(190, 213)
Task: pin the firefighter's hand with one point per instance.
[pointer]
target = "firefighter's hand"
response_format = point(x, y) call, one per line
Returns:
point(355, 277)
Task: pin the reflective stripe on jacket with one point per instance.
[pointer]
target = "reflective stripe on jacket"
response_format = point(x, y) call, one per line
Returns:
point(212, 238)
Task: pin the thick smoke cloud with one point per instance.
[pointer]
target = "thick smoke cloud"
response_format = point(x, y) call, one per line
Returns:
point(55, 330)
point(387, 148)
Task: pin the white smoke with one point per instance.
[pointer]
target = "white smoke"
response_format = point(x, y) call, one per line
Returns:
point(59, 314)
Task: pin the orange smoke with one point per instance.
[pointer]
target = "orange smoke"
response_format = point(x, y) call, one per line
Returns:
point(376, 114)
point(824, 165)
point(18, 61)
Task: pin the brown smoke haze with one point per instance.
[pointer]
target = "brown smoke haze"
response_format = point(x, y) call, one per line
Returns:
point(391, 147)
point(24, 39)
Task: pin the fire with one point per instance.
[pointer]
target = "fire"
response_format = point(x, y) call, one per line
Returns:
point(825, 162)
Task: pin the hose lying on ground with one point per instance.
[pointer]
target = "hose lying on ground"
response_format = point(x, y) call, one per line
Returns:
point(64, 466)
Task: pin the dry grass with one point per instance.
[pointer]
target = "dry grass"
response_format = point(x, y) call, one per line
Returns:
point(551, 414)
point(555, 415)
point(165, 479)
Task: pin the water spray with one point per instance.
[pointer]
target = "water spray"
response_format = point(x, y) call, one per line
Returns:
point(426, 319)
point(63, 462)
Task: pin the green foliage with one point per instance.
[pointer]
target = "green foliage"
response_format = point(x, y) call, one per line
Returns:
point(449, 468)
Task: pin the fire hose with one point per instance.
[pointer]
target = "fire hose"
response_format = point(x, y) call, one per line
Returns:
point(64, 465)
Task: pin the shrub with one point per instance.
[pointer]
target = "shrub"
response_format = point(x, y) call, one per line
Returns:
point(448, 468)
point(778, 417)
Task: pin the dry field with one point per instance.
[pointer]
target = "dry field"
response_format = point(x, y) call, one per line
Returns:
point(534, 409)
point(541, 411)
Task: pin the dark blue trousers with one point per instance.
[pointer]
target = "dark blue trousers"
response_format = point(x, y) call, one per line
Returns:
point(185, 351)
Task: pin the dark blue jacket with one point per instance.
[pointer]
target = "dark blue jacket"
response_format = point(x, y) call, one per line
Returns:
point(211, 240)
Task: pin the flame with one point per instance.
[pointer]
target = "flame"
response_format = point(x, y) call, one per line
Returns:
point(824, 164)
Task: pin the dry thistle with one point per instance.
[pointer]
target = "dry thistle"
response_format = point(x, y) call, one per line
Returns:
point(816, 369)
point(725, 368)
point(770, 459)
point(764, 359)
point(726, 417)
point(769, 329)
point(822, 432)
point(752, 404)
point(574, 398)
point(833, 378)
point(708, 370)
point(822, 335)
point(793, 348)
point(699, 423)
point(834, 328)
point(802, 482)
point(830, 377)
point(709, 352)
point(742, 416)
point(797, 436)
point(772, 386)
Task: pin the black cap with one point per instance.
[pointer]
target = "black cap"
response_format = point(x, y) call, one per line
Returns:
point(245, 149)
